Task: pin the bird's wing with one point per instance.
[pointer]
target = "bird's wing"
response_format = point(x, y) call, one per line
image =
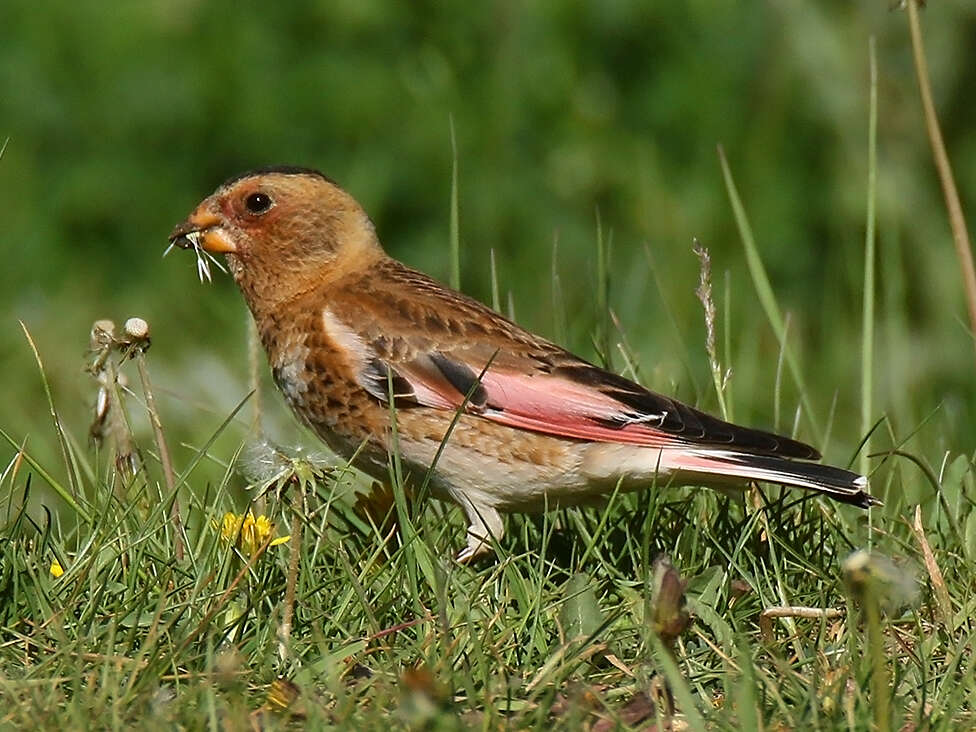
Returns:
point(437, 349)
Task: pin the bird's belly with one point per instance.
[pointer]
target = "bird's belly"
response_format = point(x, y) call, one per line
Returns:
point(518, 471)
point(493, 465)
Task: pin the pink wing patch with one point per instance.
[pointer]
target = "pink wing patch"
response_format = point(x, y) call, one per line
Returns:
point(533, 401)
point(561, 407)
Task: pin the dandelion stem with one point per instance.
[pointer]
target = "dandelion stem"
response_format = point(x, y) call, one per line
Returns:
point(284, 632)
point(228, 593)
point(164, 458)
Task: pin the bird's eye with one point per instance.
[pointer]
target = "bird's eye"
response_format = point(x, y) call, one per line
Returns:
point(258, 203)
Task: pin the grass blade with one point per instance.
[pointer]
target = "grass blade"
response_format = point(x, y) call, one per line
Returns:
point(455, 234)
point(58, 428)
point(867, 337)
point(65, 493)
point(764, 290)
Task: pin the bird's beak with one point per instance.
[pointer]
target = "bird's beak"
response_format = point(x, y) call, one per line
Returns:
point(203, 230)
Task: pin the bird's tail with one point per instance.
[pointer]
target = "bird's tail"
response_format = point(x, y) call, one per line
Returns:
point(724, 466)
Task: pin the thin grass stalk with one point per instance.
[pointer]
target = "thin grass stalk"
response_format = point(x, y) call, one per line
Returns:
point(748, 712)
point(602, 292)
point(957, 222)
point(677, 683)
point(880, 701)
point(127, 459)
point(58, 428)
point(727, 332)
point(778, 381)
point(65, 494)
point(867, 333)
point(496, 300)
point(664, 306)
point(164, 458)
point(455, 233)
point(412, 548)
point(254, 382)
point(224, 597)
point(764, 290)
point(254, 375)
point(558, 303)
point(704, 293)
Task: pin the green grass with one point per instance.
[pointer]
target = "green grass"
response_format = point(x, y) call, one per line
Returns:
point(559, 631)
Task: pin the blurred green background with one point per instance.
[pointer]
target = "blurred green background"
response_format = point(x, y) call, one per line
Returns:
point(122, 116)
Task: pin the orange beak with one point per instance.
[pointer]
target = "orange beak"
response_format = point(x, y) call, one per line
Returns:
point(203, 230)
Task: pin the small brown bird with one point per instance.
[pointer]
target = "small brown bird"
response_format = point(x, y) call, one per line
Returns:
point(347, 328)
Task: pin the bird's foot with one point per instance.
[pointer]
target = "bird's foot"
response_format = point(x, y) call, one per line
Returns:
point(484, 526)
point(471, 553)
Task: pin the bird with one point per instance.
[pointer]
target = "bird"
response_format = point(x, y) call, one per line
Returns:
point(374, 356)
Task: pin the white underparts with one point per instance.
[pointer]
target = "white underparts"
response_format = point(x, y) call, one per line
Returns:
point(345, 338)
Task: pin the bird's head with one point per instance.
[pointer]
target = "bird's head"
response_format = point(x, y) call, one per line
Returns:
point(284, 230)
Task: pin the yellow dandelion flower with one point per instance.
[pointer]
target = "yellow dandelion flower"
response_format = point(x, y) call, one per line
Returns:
point(282, 694)
point(56, 569)
point(247, 532)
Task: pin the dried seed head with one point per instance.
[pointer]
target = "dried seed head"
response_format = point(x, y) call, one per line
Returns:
point(136, 329)
point(892, 585)
point(669, 617)
point(101, 341)
point(102, 334)
point(704, 293)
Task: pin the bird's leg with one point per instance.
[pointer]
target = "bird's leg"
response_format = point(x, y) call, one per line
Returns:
point(484, 524)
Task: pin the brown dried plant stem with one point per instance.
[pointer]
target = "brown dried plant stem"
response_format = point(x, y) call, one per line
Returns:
point(957, 222)
point(126, 456)
point(164, 457)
